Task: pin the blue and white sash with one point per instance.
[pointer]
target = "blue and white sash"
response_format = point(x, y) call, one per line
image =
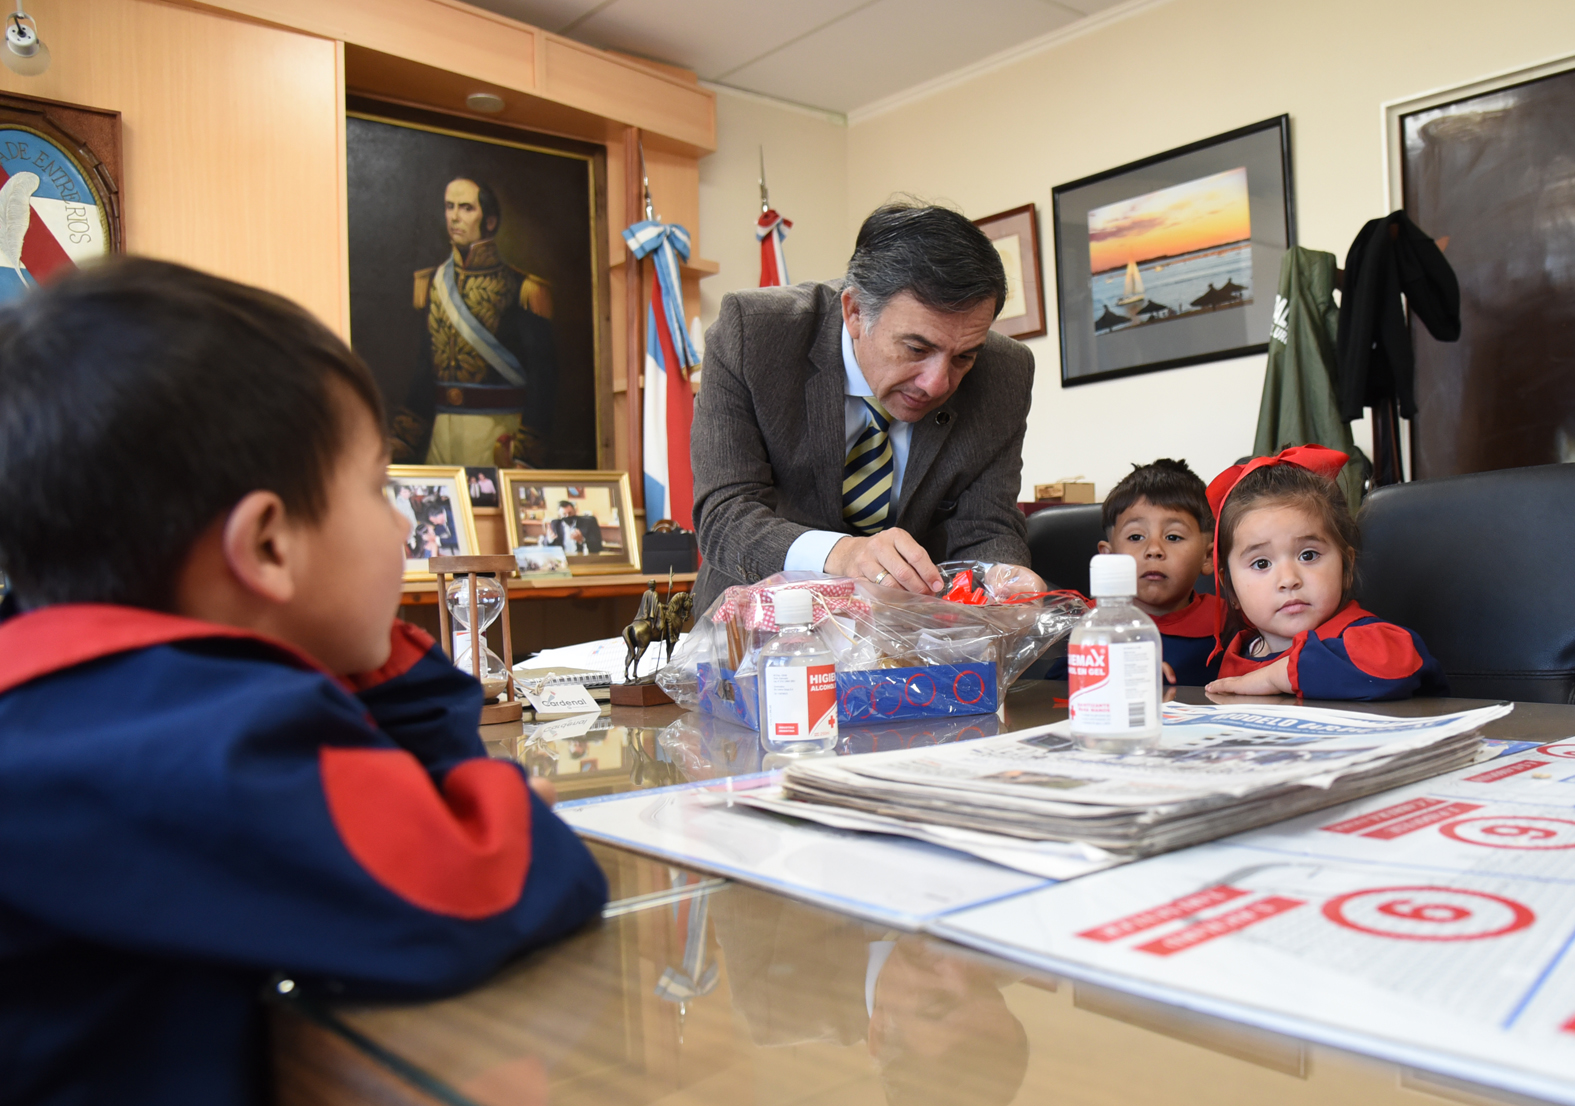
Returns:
point(476, 336)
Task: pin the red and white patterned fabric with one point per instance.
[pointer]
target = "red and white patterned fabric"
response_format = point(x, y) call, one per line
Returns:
point(752, 607)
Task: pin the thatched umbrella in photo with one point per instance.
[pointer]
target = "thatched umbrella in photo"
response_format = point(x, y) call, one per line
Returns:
point(1110, 320)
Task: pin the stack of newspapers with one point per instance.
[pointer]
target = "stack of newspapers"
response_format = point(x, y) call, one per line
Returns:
point(1032, 800)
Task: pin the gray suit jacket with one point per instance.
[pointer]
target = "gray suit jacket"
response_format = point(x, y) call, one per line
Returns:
point(768, 442)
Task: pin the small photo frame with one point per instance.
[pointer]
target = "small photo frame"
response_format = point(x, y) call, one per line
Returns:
point(542, 562)
point(483, 486)
point(1015, 235)
point(436, 501)
point(585, 514)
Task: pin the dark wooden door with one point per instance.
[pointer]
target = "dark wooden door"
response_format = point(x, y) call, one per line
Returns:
point(1495, 175)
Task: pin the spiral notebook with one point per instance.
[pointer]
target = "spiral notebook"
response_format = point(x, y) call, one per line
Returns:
point(558, 675)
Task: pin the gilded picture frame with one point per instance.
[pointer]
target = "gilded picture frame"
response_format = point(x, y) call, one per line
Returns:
point(436, 501)
point(549, 506)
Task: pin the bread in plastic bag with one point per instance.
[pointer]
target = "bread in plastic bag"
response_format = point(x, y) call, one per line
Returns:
point(898, 655)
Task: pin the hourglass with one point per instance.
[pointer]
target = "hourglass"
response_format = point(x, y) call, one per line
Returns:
point(472, 602)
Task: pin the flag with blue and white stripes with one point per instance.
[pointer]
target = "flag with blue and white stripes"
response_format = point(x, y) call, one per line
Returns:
point(669, 352)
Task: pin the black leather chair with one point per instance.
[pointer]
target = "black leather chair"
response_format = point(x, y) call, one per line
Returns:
point(1062, 540)
point(1479, 565)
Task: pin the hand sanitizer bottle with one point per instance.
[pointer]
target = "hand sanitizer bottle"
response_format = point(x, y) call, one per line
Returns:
point(1113, 661)
point(798, 680)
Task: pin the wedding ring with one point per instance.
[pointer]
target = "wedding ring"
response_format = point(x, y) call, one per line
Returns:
point(881, 576)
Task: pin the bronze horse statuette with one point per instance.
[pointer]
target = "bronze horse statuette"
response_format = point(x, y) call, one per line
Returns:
point(655, 622)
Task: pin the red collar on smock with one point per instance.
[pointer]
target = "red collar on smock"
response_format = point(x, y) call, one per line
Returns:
point(1196, 619)
point(52, 639)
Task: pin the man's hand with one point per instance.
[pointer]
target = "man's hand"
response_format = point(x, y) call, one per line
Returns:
point(892, 556)
point(1170, 673)
point(1275, 679)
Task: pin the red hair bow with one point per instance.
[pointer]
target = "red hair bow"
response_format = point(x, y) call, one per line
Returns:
point(1324, 461)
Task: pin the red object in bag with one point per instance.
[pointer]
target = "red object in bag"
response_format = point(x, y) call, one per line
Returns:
point(962, 590)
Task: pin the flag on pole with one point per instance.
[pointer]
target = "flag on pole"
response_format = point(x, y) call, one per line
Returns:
point(770, 229)
point(669, 353)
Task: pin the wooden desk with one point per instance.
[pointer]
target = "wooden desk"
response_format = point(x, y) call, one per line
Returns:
point(773, 1009)
point(549, 613)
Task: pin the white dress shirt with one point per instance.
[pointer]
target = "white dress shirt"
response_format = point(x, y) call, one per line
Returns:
point(810, 549)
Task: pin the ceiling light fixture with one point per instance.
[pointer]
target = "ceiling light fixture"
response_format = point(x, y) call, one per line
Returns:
point(489, 102)
point(24, 52)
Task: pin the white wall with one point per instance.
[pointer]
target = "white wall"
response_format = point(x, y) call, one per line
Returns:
point(1169, 74)
point(807, 171)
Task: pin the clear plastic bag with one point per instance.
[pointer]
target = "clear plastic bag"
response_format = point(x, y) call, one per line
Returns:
point(899, 655)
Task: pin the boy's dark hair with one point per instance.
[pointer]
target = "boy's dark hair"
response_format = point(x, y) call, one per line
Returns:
point(1164, 483)
point(139, 401)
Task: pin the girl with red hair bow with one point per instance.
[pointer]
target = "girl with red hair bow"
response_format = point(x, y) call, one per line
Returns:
point(1285, 564)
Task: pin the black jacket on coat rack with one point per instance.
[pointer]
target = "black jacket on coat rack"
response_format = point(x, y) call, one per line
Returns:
point(1376, 364)
point(1390, 256)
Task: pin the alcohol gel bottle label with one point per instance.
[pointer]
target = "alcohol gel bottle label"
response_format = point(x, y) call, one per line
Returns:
point(1112, 687)
point(801, 702)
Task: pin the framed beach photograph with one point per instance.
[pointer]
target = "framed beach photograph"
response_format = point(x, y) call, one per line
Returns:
point(1173, 260)
point(436, 501)
point(1015, 235)
point(585, 514)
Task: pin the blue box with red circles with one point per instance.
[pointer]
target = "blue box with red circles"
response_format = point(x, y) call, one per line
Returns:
point(865, 695)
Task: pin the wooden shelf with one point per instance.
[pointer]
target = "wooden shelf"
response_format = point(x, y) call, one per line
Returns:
point(695, 267)
point(424, 592)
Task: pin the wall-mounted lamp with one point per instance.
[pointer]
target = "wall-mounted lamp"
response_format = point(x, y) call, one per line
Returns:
point(489, 102)
point(24, 51)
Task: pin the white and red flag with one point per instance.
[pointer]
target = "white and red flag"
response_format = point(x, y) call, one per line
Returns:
point(770, 229)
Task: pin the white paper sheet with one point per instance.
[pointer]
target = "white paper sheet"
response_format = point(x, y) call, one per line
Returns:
point(1431, 925)
point(603, 655)
point(888, 880)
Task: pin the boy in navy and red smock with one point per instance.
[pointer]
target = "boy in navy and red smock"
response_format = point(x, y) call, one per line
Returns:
point(196, 792)
point(1286, 556)
point(1159, 516)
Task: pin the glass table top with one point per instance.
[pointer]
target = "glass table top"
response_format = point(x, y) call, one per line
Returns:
point(695, 990)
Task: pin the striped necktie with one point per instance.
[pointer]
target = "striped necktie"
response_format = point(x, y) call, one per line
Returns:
point(867, 475)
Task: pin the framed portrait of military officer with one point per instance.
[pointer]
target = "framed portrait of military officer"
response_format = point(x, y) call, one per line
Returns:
point(478, 267)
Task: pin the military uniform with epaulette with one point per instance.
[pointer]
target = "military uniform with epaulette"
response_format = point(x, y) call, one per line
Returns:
point(486, 384)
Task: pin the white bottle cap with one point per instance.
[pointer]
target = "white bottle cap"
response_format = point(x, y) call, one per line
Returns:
point(796, 607)
point(1112, 574)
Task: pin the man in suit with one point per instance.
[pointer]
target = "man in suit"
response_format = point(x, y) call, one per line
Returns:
point(577, 533)
point(868, 427)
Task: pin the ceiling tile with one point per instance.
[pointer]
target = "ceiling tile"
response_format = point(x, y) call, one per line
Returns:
point(891, 45)
point(709, 36)
point(549, 15)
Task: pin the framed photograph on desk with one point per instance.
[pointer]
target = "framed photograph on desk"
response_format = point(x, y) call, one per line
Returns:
point(586, 514)
point(435, 500)
point(1175, 259)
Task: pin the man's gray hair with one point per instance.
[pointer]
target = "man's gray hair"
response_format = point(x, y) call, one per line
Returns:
point(934, 253)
